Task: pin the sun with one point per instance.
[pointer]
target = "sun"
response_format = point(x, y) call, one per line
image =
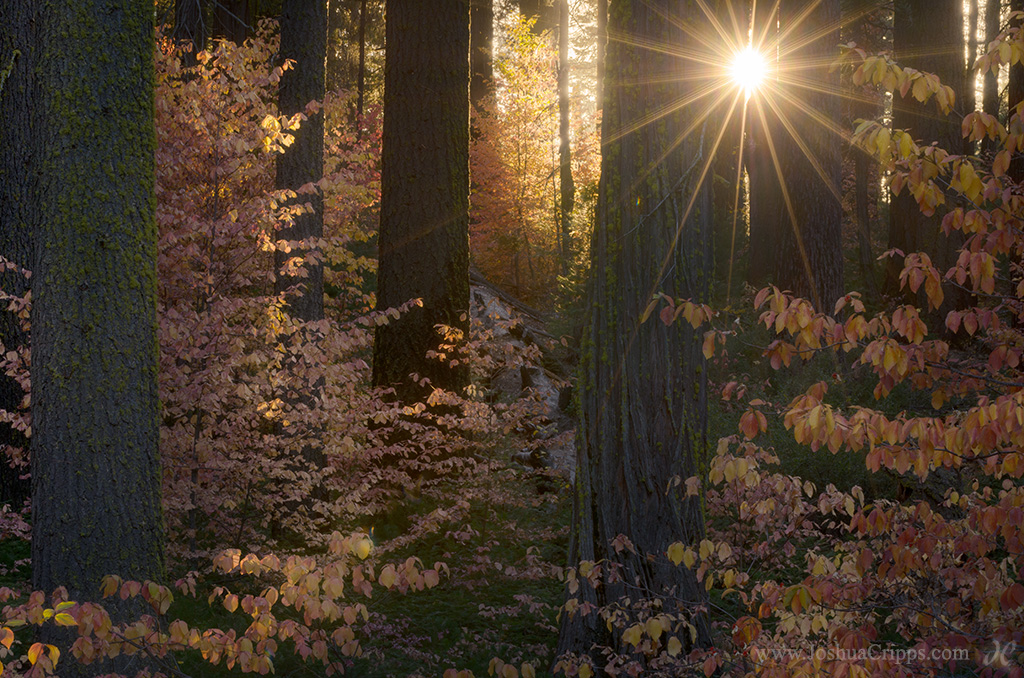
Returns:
point(748, 70)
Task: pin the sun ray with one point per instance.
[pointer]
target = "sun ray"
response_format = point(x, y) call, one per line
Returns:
point(798, 138)
point(809, 274)
point(693, 196)
point(736, 201)
point(719, 48)
point(662, 47)
point(670, 108)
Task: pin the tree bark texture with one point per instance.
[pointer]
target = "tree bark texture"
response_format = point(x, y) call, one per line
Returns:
point(643, 396)
point(303, 40)
point(923, 32)
point(809, 249)
point(602, 48)
point(990, 80)
point(424, 219)
point(95, 458)
point(18, 216)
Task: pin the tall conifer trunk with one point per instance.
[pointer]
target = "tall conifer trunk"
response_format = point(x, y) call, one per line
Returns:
point(643, 396)
point(424, 216)
point(95, 457)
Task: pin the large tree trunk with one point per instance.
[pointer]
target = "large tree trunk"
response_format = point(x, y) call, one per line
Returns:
point(809, 249)
point(304, 40)
point(923, 32)
point(18, 215)
point(642, 387)
point(567, 189)
point(424, 215)
point(95, 457)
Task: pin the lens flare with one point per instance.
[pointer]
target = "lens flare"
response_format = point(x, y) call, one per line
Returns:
point(748, 70)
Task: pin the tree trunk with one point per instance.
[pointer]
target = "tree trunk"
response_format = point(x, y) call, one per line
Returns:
point(765, 192)
point(809, 249)
point(544, 11)
point(990, 80)
point(189, 29)
point(18, 209)
point(602, 48)
point(970, 96)
point(95, 456)
point(424, 215)
point(643, 387)
point(234, 20)
point(918, 26)
point(481, 23)
point(361, 83)
point(567, 189)
point(1015, 95)
point(303, 40)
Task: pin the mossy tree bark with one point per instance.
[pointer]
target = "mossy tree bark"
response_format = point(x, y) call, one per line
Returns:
point(424, 215)
point(643, 387)
point(95, 457)
point(809, 253)
point(18, 212)
point(927, 36)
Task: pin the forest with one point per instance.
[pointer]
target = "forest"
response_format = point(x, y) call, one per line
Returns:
point(512, 338)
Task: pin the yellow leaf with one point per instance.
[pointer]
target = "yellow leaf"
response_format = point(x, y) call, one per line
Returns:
point(585, 671)
point(363, 548)
point(64, 619)
point(676, 552)
point(34, 652)
point(674, 647)
point(527, 671)
point(231, 602)
point(387, 577)
point(632, 635)
point(654, 628)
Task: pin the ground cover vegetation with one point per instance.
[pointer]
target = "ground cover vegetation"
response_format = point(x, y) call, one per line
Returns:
point(742, 482)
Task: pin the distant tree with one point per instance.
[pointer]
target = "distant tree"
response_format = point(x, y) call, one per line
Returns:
point(234, 20)
point(544, 11)
point(628, 450)
point(189, 28)
point(481, 55)
point(95, 459)
point(809, 248)
point(566, 188)
point(424, 214)
point(923, 33)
